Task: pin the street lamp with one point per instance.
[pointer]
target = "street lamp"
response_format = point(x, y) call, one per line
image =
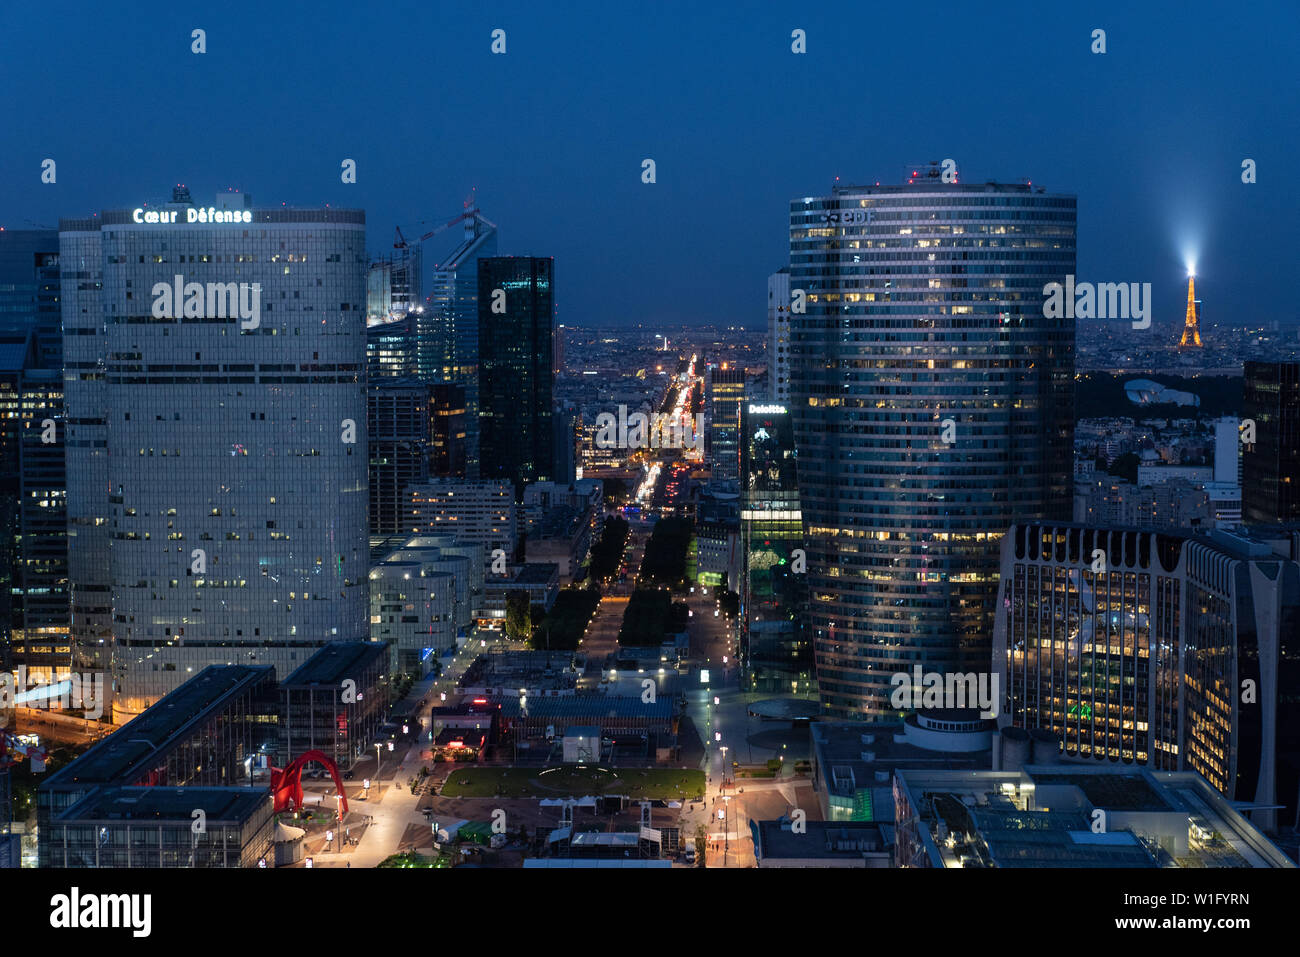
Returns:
point(378, 778)
point(726, 829)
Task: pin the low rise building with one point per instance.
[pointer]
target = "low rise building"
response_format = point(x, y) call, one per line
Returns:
point(336, 701)
point(214, 731)
point(537, 674)
point(784, 843)
point(1071, 816)
point(153, 827)
point(853, 762)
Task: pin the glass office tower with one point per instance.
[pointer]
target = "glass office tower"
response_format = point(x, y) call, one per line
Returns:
point(1173, 651)
point(1271, 466)
point(29, 289)
point(516, 380)
point(932, 405)
point(447, 329)
point(776, 655)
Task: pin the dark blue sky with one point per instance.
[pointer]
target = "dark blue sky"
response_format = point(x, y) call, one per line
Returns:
point(1150, 136)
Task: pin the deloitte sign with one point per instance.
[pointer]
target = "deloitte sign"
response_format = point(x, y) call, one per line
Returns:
point(192, 215)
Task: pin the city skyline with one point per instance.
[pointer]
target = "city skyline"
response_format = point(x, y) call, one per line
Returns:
point(811, 438)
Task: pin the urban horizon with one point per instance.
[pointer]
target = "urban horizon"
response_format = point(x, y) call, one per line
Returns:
point(598, 477)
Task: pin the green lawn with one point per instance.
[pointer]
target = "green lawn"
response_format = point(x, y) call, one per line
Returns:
point(652, 783)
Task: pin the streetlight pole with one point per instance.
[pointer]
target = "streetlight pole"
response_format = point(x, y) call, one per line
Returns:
point(726, 833)
point(379, 786)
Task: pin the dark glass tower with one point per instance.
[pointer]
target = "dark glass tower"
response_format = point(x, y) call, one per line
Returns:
point(29, 289)
point(776, 655)
point(516, 312)
point(1270, 488)
point(933, 407)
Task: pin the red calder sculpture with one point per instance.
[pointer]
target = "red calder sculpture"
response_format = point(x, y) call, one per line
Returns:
point(286, 783)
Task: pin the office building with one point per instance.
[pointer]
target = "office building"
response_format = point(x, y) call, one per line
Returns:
point(726, 383)
point(30, 288)
point(447, 330)
point(393, 285)
point(40, 615)
point(85, 397)
point(441, 553)
point(335, 702)
point(776, 653)
point(478, 513)
point(450, 431)
point(853, 762)
point(1045, 816)
point(400, 427)
point(821, 844)
point(421, 602)
point(516, 304)
point(1271, 466)
point(564, 420)
point(778, 336)
point(214, 389)
point(391, 348)
point(1227, 450)
point(153, 827)
point(17, 349)
point(217, 730)
point(34, 611)
point(933, 407)
point(1157, 649)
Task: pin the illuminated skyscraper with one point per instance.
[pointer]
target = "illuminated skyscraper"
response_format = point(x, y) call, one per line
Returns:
point(778, 336)
point(933, 407)
point(216, 462)
point(1134, 647)
point(776, 654)
point(726, 393)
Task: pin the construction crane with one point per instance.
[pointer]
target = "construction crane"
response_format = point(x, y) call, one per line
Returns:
point(399, 241)
point(471, 212)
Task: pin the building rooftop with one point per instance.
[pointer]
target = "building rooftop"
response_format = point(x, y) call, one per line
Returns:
point(114, 758)
point(219, 805)
point(335, 662)
point(828, 840)
point(857, 760)
point(1048, 816)
point(536, 573)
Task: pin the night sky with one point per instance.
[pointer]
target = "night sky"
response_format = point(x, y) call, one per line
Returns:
point(1150, 136)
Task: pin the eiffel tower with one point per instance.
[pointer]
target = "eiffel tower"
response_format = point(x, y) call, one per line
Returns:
point(1191, 331)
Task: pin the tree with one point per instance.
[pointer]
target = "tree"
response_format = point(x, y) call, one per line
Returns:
point(519, 622)
point(701, 844)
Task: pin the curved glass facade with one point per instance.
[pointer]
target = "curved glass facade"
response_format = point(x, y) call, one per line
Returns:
point(933, 407)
